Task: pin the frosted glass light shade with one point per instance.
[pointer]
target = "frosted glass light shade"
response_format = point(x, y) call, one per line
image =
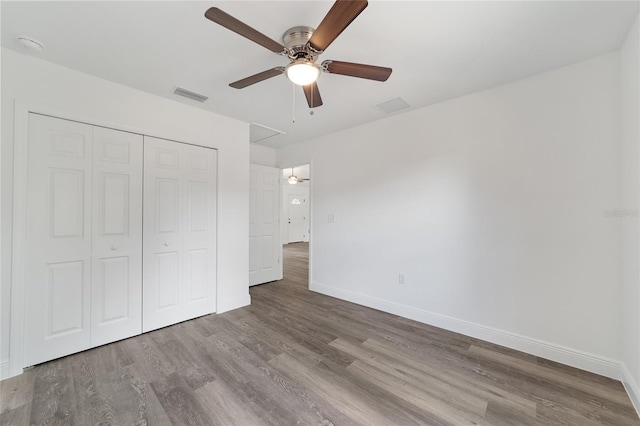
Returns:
point(293, 180)
point(302, 73)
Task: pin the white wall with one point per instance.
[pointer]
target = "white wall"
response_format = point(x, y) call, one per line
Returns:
point(86, 98)
point(492, 205)
point(262, 155)
point(630, 137)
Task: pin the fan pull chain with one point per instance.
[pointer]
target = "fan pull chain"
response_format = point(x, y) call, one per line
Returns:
point(293, 103)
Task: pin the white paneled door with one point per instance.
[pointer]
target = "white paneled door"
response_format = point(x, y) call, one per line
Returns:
point(116, 284)
point(179, 232)
point(86, 241)
point(298, 209)
point(58, 275)
point(84, 238)
point(265, 248)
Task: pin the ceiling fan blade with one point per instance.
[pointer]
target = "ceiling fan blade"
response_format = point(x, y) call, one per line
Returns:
point(229, 22)
point(351, 69)
point(313, 95)
point(256, 78)
point(341, 14)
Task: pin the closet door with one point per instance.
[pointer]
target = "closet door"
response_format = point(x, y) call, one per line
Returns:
point(116, 297)
point(58, 276)
point(179, 232)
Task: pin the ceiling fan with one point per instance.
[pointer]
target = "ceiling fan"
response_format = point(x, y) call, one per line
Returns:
point(302, 46)
point(293, 179)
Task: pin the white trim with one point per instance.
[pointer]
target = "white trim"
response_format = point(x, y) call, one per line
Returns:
point(18, 265)
point(310, 254)
point(632, 387)
point(217, 275)
point(4, 370)
point(572, 357)
point(235, 303)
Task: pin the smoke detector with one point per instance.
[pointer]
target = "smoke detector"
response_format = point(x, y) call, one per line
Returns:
point(30, 44)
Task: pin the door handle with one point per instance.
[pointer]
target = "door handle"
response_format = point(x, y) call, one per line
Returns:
point(114, 248)
point(166, 244)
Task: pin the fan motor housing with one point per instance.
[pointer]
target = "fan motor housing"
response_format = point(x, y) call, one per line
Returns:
point(295, 40)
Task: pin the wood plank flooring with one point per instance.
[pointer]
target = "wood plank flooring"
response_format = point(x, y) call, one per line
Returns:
point(297, 357)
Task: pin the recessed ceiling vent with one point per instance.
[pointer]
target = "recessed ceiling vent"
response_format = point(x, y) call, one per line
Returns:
point(258, 132)
point(393, 105)
point(189, 94)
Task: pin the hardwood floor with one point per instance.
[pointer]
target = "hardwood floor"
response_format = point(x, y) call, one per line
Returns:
point(297, 357)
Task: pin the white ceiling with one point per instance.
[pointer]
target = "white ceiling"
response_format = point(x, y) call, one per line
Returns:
point(438, 50)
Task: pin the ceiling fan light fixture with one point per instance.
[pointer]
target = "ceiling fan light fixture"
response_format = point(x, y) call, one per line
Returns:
point(302, 72)
point(302, 45)
point(292, 180)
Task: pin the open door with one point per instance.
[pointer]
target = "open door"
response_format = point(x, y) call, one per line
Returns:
point(265, 249)
point(298, 215)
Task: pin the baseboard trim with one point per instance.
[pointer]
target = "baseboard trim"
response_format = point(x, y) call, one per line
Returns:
point(235, 303)
point(574, 358)
point(632, 387)
point(5, 370)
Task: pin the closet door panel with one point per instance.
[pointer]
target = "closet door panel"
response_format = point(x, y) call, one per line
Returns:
point(179, 232)
point(199, 174)
point(163, 224)
point(58, 276)
point(116, 308)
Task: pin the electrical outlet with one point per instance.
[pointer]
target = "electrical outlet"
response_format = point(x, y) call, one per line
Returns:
point(400, 278)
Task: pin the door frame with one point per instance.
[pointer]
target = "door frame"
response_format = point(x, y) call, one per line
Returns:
point(21, 110)
point(311, 181)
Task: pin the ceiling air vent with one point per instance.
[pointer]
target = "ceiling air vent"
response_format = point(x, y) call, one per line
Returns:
point(393, 105)
point(258, 132)
point(189, 94)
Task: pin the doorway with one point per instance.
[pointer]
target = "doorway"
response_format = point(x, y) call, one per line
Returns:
point(295, 222)
point(295, 205)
